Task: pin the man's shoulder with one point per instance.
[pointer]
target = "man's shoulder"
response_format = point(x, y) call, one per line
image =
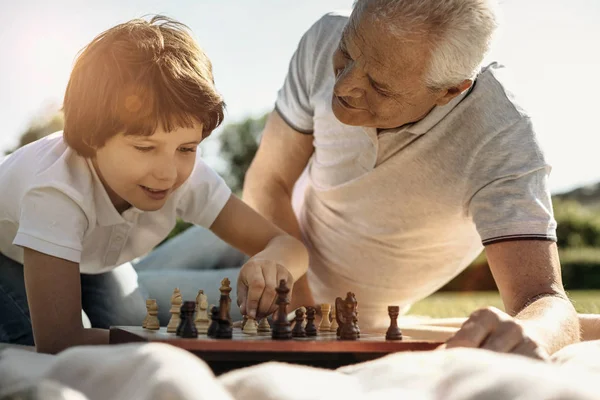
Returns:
point(327, 29)
point(495, 92)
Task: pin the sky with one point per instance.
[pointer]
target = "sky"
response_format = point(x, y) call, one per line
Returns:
point(551, 48)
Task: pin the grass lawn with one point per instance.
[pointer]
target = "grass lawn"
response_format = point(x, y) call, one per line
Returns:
point(461, 304)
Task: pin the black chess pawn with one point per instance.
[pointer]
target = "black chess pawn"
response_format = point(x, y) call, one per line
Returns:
point(393, 332)
point(281, 326)
point(187, 327)
point(214, 316)
point(311, 328)
point(298, 330)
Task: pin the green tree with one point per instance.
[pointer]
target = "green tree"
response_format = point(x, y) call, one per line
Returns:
point(238, 144)
point(40, 127)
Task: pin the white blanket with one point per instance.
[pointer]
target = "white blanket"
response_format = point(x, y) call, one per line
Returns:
point(159, 371)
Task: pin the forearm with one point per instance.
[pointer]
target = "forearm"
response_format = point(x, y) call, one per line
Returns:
point(287, 251)
point(552, 321)
point(80, 337)
point(272, 201)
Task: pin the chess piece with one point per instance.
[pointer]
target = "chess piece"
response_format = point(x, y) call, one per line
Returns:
point(338, 316)
point(281, 327)
point(152, 318)
point(214, 316)
point(145, 322)
point(224, 329)
point(201, 320)
point(263, 326)
point(299, 330)
point(355, 319)
point(187, 328)
point(176, 302)
point(250, 327)
point(334, 322)
point(311, 329)
point(346, 313)
point(393, 332)
point(225, 289)
point(325, 325)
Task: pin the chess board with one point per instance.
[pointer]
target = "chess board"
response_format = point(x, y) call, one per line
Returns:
point(324, 350)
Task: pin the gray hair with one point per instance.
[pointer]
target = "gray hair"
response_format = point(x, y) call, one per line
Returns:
point(460, 32)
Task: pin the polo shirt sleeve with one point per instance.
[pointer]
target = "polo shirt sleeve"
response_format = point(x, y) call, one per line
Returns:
point(204, 196)
point(510, 197)
point(293, 99)
point(52, 223)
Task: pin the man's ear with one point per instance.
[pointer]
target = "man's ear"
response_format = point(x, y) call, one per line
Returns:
point(452, 92)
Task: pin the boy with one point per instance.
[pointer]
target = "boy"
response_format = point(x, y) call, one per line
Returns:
point(109, 188)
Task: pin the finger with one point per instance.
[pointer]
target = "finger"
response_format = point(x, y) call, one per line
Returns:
point(529, 348)
point(506, 337)
point(256, 285)
point(474, 331)
point(242, 296)
point(269, 294)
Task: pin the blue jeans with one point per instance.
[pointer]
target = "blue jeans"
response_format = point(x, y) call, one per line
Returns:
point(111, 298)
point(196, 259)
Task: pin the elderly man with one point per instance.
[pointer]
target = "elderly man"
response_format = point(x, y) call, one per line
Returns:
point(396, 158)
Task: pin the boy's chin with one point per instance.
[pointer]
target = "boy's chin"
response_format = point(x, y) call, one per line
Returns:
point(150, 205)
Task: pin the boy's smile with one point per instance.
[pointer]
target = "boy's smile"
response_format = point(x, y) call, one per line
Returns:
point(142, 171)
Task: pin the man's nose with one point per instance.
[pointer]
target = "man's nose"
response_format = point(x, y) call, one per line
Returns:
point(347, 82)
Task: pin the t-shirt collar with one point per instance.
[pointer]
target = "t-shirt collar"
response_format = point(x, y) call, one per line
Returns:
point(435, 115)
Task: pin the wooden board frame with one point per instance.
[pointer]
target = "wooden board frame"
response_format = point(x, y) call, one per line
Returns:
point(325, 350)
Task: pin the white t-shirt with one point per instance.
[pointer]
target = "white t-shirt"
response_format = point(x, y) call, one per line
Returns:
point(394, 216)
point(52, 201)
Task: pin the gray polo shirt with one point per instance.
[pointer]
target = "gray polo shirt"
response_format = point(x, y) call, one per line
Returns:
point(394, 216)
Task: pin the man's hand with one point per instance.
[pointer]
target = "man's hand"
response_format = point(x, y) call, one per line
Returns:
point(256, 285)
point(492, 329)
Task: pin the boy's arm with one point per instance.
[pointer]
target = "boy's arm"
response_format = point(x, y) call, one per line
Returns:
point(275, 255)
point(53, 288)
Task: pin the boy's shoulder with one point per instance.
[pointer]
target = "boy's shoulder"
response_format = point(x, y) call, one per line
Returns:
point(47, 162)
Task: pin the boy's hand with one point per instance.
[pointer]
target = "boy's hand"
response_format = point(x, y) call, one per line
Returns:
point(256, 285)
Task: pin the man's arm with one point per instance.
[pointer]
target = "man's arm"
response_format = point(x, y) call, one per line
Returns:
point(281, 157)
point(528, 276)
point(53, 288)
point(539, 315)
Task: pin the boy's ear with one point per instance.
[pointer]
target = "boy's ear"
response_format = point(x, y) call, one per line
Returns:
point(454, 91)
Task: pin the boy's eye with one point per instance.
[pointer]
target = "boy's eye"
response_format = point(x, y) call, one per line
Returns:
point(187, 149)
point(143, 149)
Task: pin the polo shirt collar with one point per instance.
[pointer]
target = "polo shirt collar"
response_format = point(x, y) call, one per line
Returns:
point(436, 115)
point(106, 213)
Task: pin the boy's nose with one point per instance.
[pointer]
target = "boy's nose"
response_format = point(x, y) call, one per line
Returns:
point(165, 170)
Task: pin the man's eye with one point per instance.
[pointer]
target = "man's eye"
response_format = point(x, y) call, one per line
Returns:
point(345, 54)
point(143, 149)
point(382, 92)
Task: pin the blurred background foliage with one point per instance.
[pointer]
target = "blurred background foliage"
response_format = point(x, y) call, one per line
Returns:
point(577, 212)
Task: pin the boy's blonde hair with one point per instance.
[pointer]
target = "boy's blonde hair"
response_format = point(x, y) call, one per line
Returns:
point(134, 76)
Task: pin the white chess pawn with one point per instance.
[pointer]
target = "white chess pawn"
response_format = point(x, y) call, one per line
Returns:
point(201, 320)
point(250, 327)
point(176, 301)
point(334, 323)
point(325, 325)
point(264, 326)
